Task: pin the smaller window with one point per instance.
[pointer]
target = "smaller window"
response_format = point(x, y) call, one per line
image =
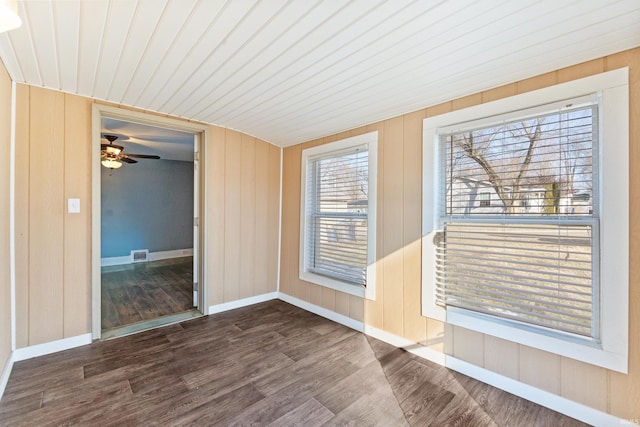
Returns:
point(337, 233)
point(485, 199)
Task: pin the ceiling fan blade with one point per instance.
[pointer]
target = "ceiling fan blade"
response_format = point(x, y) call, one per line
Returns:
point(143, 156)
point(127, 160)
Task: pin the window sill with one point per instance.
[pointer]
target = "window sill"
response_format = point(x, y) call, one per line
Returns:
point(573, 347)
point(334, 284)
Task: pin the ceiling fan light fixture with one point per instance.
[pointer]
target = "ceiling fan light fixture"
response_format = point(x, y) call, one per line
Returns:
point(111, 163)
point(113, 150)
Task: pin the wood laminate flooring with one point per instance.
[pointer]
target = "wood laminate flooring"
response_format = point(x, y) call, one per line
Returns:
point(140, 292)
point(271, 364)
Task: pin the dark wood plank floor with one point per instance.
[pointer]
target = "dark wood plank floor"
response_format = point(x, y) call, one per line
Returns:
point(145, 291)
point(270, 364)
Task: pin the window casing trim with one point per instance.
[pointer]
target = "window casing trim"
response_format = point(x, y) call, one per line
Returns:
point(613, 175)
point(370, 140)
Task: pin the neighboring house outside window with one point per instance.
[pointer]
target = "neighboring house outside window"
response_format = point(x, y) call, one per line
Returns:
point(337, 247)
point(485, 199)
point(523, 241)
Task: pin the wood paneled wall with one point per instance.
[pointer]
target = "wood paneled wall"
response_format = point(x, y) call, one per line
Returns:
point(397, 305)
point(53, 247)
point(5, 208)
point(243, 215)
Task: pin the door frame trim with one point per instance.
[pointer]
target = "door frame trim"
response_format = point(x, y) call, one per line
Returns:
point(97, 113)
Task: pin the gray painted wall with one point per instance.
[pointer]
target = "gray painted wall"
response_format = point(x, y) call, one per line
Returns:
point(148, 205)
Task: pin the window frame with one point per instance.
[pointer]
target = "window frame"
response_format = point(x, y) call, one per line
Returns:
point(371, 141)
point(613, 92)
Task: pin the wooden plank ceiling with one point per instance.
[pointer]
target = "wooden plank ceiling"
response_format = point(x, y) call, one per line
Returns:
point(291, 71)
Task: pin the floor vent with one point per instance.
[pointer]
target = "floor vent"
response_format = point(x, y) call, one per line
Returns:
point(140, 255)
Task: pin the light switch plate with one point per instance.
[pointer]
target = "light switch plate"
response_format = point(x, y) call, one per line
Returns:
point(73, 205)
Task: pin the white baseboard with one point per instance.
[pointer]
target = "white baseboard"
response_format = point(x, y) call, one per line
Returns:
point(225, 306)
point(153, 256)
point(178, 253)
point(321, 311)
point(410, 346)
point(533, 394)
point(6, 372)
point(115, 260)
point(50, 347)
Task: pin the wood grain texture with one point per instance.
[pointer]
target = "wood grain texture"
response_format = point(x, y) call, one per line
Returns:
point(275, 208)
point(540, 369)
point(392, 233)
point(534, 367)
point(248, 216)
point(215, 212)
point(5, 222)
point(232, 218)
point(261, 219)
point(46, 216)
point(145, 291)
point(22, 183)
point(77, 227)
point(267, 364)
point(414, 325)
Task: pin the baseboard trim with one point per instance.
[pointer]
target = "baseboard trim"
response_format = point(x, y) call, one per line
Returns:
point(116, 260)
point(6, 372)
point(50, 347)
point(408, 345)
point(225, 306)
point(153, 256)
point(544, 398)
point(321, 311)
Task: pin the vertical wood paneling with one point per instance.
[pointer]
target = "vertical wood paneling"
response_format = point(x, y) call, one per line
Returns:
point(215, 225)
point(293, 219)
point(624, 390)
point(288, 204)
point(414, 325)
point(247, 216)
point(374, 309)
point(275, 204)
point(342, 303)
point(356, 308)
point(77, 227)
point(261, 218)
point(501, 356)
point(5, 209)
point(393, 272)
point(22, 215)
point(315, 294)
point(540, 369)
point(395, 305)
point(538, 82)
point(46, 221)
point(583, 383)
point(435, 334)
point(468, 345)
point(329, 299)
point(232, 218)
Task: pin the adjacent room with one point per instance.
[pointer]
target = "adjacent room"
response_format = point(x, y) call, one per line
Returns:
point(319, 212)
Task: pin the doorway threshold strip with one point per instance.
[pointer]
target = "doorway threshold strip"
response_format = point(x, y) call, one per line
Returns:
point(149, 324)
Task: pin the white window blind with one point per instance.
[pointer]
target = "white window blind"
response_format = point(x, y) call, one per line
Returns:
point(530, 254)
point(337, 214)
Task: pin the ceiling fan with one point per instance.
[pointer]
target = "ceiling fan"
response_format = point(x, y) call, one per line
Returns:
point(112, 155)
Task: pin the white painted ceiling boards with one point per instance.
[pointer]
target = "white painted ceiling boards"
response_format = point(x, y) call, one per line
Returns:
point(291, 71)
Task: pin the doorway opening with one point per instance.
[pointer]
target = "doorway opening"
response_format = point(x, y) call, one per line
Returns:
point(147, 192)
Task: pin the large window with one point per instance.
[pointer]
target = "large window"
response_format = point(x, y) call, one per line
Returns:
point(530, 262)
point(338, 214)
point(528, 235)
